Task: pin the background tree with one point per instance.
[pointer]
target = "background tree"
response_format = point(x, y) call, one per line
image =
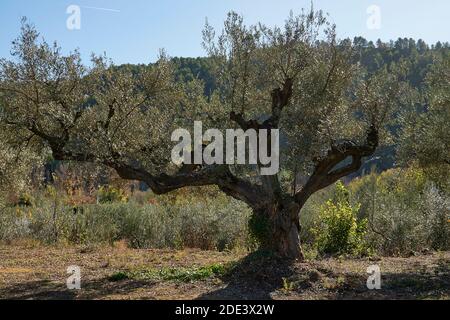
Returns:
point(300, 79)
point(425, 136)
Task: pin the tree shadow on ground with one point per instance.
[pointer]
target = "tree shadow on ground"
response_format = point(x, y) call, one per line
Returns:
point(422, 282)
point(417, 282)
point(254, 277)
point(260, 277)
point(36, 290)
point(52, 290)
point(394, 286)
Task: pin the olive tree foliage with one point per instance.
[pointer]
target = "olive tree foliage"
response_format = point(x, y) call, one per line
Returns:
point(302, 80)
point(298, 78)
point(425, 137)
point(99, 113)
point(18, 156)
point(15, 165)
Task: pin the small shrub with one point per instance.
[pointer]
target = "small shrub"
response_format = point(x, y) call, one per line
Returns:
point(26, 200)
point(110, 195)
point(339, 231)
point(405, 211)
point(438, 211)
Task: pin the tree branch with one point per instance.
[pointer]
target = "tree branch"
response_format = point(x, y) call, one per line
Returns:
point(219, 175)
point(280, 99)
point(324, 175)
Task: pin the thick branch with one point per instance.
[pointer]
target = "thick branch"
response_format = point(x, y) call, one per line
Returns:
point(219, 175)
point(280, 99)
point(237, 188)
point(244, 124)
point(324, 174)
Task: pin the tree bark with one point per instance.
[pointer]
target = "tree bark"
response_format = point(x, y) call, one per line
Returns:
point(282, 235)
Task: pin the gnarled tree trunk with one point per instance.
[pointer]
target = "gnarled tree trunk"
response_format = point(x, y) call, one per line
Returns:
point(282, 230)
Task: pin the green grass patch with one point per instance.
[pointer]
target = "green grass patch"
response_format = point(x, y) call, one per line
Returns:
point(174, 274)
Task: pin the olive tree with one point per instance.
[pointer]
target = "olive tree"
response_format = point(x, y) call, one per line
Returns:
point(299, 78)
point(425, 137)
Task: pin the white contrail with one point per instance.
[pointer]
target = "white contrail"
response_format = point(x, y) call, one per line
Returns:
point(104, 9)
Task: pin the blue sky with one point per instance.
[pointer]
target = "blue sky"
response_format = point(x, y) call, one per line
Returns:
point(135, 30)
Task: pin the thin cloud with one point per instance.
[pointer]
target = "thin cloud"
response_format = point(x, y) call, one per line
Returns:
point(103, 9)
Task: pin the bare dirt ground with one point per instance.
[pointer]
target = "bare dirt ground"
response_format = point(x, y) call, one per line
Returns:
point(37, 272)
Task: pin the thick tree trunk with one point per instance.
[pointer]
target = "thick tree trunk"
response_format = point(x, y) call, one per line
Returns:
point(283, 231)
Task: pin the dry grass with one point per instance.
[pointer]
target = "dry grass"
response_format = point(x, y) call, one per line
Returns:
point(32, 271)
